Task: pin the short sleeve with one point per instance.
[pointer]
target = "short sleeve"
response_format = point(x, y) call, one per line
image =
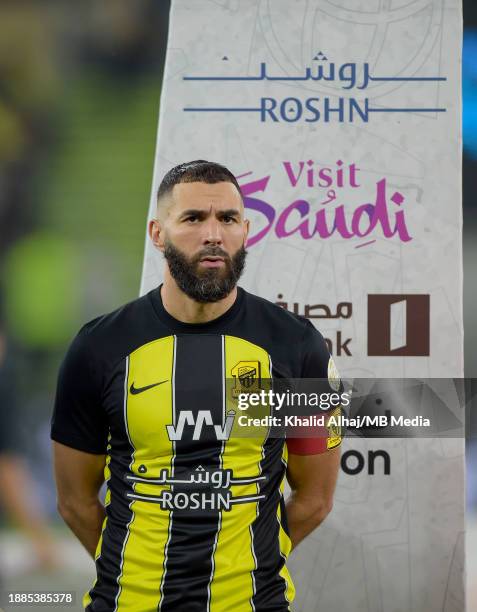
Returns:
point(318, 363)
point(316, 356)
point(78, 418)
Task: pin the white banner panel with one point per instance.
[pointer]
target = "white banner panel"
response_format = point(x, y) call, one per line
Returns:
point(341, 121)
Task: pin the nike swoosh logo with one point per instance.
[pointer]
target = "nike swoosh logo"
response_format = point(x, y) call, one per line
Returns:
point(135, 390)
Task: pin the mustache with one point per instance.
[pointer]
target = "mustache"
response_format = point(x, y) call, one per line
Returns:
point(212, 252)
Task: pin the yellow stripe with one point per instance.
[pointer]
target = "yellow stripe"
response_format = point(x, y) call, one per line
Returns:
point(284, 540)
point(87, 597)
point(285, 548)
point(148, 413)
point(107, 499)
point(232, 585)
point(107, 473)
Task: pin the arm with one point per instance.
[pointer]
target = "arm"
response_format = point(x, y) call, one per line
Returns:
point(312, 479)
point(313, 462)
point(79, 477)
point(79, 430)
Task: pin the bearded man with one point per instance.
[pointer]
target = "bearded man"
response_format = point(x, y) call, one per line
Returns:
point(194, 518)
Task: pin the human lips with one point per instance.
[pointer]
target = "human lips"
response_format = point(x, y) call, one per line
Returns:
point(212, 261)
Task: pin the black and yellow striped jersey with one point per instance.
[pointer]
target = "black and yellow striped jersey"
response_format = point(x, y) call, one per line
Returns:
point(195, 517)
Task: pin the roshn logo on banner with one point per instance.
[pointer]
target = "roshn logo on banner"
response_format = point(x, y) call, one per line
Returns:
point(398, 325)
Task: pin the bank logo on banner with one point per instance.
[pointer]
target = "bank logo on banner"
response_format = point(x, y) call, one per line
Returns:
point(398, 325)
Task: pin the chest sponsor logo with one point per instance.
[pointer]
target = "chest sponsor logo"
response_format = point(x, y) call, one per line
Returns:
point(198, 422)
point(200, 489)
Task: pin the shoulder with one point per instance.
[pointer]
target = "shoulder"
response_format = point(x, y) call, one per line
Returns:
point(113, 335)
point(293, 338)
point(116, 320)
point(272, 315)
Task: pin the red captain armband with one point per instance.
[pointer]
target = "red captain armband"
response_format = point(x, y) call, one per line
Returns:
point(315, 440)
point(306, 446)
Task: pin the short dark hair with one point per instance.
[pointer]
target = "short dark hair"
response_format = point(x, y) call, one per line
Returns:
point(197, 171)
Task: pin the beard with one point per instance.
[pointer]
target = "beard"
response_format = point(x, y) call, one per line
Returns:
point(208, 285)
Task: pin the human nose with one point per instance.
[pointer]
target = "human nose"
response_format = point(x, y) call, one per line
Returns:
point(213, 231)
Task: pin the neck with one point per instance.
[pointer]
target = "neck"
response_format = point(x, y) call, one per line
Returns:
point(185, 309)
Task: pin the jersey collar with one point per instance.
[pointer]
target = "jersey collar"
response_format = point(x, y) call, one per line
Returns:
point(210, 326)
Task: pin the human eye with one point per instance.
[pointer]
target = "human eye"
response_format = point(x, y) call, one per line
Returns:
point(229, 219)
point(191, 218)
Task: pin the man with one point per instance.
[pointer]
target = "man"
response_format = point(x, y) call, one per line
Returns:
point(195, 518)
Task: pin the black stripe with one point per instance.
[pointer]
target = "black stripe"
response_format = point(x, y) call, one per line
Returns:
point(109, 563)
point(283, 515)
point(198, 386)
point(270, 587)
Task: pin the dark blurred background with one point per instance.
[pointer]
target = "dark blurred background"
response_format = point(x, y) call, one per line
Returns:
point(80, 85)
point(79, 99)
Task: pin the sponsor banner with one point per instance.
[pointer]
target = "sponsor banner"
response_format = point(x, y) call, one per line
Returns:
point(341, 121)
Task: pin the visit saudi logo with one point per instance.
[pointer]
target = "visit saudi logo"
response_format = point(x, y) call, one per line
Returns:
point(330, 202)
